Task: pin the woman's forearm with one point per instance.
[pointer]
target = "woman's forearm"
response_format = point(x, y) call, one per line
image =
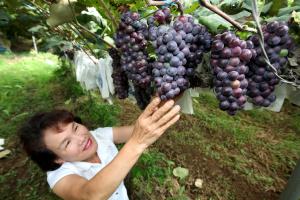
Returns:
point(105, 183)
point(122, 133)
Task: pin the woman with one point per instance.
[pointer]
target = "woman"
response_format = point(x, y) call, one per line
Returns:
point(86, 165)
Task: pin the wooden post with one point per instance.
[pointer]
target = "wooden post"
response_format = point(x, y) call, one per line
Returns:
point(34, 44)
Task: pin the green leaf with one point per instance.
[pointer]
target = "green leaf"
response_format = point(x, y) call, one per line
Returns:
point(59, 14)
point(293, 62)
point(109, 40)
point(68, 101)
point(18, 86)
point(231, 6)
point(215, 2)
point(231, 2)
point(36, 29)
point(240, 15)
point(214, 22)
point(282, 18)
point(296, 16)
point(296, 3)
point(267, 7)
point(247, 5)
point(276, 6)
point(4, 18)
point(180, 172)
point(192, 8)
point(6, 112)
point(288, 10)
point(99, 18)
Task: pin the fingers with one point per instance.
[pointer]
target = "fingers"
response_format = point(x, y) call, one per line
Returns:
point(162, 110)
point(169, 123)
point(152, 107)
point(170, 115)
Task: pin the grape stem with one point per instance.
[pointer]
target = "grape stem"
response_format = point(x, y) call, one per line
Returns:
point(180, 7)
point(256, 14)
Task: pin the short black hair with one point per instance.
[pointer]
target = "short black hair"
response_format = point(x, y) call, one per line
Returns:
point(32, 136)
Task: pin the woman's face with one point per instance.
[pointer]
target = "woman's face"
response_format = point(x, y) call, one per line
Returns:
point(71, 142)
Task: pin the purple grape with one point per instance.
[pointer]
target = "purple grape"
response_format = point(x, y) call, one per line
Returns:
point(230, 56)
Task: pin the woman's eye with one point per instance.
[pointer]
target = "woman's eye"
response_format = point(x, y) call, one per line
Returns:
point(67, 144)
point(76, 128)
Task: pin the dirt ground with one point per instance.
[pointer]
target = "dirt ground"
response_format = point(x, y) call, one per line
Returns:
point(217, 177)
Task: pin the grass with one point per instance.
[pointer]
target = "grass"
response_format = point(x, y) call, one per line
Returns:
point(256, 145)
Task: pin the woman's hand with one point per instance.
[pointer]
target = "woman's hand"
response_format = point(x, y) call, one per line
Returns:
point(153, 122)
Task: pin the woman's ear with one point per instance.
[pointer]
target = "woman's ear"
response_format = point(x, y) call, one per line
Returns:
point(59, 161)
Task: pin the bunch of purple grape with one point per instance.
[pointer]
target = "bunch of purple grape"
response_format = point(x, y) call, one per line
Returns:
point(120, 79)
point(143, 96)
point(262, 79)
point(196, 38)
point(131, 41)
point(168, 71)
point(229, 58)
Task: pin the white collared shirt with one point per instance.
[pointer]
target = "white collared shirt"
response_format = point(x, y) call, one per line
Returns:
point(107, 150)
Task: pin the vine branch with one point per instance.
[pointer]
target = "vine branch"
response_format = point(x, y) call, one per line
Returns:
point(219, 12)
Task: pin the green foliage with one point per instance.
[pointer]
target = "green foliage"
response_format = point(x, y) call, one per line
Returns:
point(22, 88)
point(212, 21)
point(153, 165)
point(276, 6)
point(65, 75)
point(97, 114)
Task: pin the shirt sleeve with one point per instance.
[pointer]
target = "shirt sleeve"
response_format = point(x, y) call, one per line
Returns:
point(54, 176)
point(105, 133)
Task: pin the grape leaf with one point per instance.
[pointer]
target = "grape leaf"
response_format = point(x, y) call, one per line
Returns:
point(92, 11)
point(36, 29)
point(59, 14)
point(267, 7)
point(288, 10)
point(4, 18)
point(240, 15)
point(276, 6)
point(247, 5)
point(296, 16)
point(214, 22)
point(296, 3)
point(191, 8)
